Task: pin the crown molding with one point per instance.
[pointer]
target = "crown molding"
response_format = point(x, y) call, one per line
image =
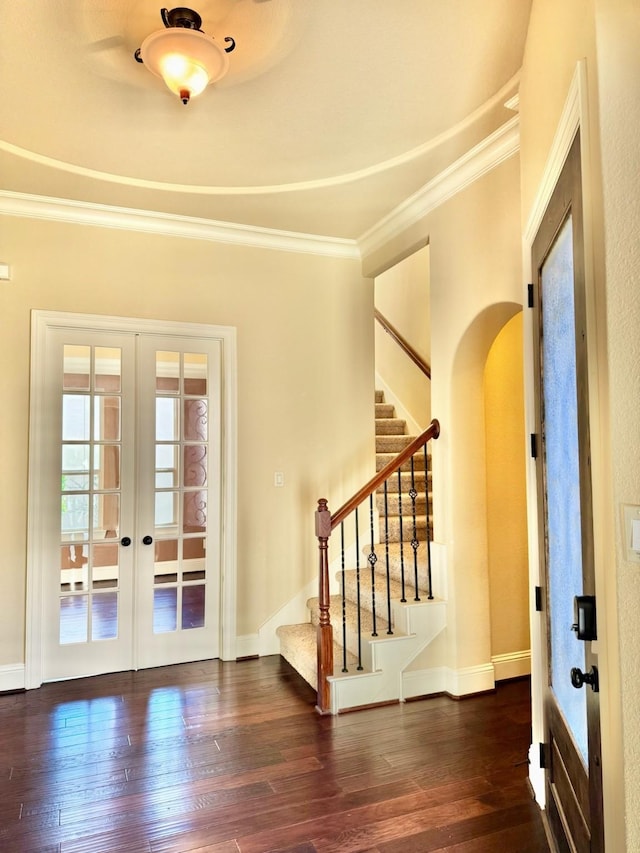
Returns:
point(149, 222)
point(493, 150)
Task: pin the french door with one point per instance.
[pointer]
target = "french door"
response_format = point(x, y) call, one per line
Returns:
point(571, 707)
point(127, 508)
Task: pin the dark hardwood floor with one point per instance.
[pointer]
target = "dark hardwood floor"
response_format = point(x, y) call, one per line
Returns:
point(232, 758)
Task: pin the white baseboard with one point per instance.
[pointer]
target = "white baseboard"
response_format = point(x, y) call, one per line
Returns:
point(12, 677)
point(247, 646)
point(424, 682)
point(512, 665)
point(442, 679)
point(470, 679)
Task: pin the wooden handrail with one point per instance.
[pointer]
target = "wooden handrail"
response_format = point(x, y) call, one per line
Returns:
point(403, 343)
point(432, 431)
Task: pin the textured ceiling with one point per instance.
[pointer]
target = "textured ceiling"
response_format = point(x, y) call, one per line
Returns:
point(333, 111)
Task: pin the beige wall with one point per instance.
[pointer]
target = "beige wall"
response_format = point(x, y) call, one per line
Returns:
point(605, 33)
point(506, 493)
point(475, 280)
point(402, 296)
point(305, 354)
point(618, 42)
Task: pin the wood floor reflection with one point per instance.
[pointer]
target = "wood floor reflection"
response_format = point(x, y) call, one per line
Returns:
point(232, 758)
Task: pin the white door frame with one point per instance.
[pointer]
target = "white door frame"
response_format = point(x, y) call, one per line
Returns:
point(41, 322)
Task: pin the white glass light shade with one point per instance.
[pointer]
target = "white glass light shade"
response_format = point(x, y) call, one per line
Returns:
point(187, 60)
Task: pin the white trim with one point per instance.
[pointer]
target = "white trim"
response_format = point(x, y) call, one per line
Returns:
point(489, 153)
point(442, 679)
point(12, 677)
point(41, 321)
point(512, 665)
point(573, 118)
point(567, 128)
point(172, 225)
point(470, 679)
point(424, 682)
point(247, 646)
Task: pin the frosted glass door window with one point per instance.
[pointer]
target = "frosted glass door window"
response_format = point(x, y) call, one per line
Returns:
point(560, 418)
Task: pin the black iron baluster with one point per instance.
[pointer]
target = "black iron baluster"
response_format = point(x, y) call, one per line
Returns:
point(414, 542)
point(404, 598)
point(373, 559)
point(344, 604)
point(358, 592)
point(426, 494)
point(386, 548)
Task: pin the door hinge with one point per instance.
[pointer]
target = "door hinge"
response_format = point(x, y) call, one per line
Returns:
point(530, 295)
point(534, 445)
point(544, 752)
point(538, 592)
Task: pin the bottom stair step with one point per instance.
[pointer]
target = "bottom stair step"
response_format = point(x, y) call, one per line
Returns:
point(298, 646)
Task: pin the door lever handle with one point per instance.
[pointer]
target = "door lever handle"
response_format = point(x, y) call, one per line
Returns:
point(578, 678)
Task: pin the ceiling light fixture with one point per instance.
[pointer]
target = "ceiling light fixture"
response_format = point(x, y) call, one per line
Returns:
point(182, 55)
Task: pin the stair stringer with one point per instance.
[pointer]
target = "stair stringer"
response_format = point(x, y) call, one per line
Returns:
point(385, 658)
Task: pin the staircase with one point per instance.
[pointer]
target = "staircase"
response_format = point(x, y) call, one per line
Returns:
point(394, 627)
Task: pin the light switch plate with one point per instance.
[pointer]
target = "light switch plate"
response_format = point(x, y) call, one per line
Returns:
point(631, 531)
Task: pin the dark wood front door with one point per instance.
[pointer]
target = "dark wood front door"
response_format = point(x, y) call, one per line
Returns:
point(572, 720)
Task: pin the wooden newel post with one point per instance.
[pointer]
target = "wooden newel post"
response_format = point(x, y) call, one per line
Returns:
point(325, 631)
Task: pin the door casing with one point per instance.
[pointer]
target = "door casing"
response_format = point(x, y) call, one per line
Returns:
point(41, 322)
point(576, 116)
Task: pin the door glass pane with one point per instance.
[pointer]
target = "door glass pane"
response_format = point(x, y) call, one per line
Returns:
point(107, 419)
point(166, 466)
point(193, 606)
point(168, 371)
point(166, 511)
point(167, 424)
point(195, 374)
point(564, 535)
point(165, 609)
point(76, 368)
point(195, 465)
point(74, 613)
point(106, 466)
point(108, 369)
point(166, 561)
point(193, 558)
point(106, 516)
point(105, 570)
point(194, 516)
point(195, 420)
point(76, 424)
point(74, 568)
point(104, 616)
point(74, 517)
